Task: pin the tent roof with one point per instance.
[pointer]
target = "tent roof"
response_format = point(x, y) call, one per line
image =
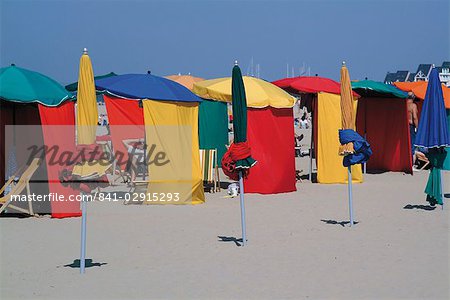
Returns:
point(146, 86)
point(26, 86)
point(310, 85)
point(74, 86)
point(259, 93)
point(377, 89)
point(419, 88)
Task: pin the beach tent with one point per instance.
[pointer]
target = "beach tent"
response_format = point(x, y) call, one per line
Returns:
point(212, 119)
point(270, 131)
point(169, 112)
point(382, 119)
point(30, 98)
point(323, 95)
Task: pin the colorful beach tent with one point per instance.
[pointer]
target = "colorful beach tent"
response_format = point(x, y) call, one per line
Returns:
point(324, 95)
point(31, 98)
point(212, 119)
point(170, 114)
point(382, 119)
point(270, 131)
point(419, 88)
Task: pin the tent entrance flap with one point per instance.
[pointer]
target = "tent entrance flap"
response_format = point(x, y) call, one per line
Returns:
point(171, 130)
point(329, 163)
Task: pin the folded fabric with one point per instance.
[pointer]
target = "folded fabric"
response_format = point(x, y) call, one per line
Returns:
point(433, 189)
point(237, 152)
point(360, 145)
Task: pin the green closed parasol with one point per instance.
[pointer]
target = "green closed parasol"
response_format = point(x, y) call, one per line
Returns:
point(239, 104)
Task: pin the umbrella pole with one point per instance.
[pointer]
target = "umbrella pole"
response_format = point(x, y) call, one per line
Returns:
point(350, 195)
point(310, 155)
point(241, 196)
point(83, 236)
point(442, 188)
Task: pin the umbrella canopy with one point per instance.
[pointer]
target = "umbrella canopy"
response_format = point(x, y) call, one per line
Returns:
point(433, 131)
point(259, 93)
point(347, 110)
point(25, 86)
point(239, 104)
point(146, 86)
point(185, 80)
point(371, 88)
point(310, 85)
point(87, 112)
point(419, 88)
point(74, 86)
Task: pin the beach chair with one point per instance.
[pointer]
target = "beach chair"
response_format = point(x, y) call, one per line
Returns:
point(210, 168)
point(422, 160)
point(16, 189)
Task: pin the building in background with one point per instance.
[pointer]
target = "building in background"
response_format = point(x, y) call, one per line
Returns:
point(422, 73)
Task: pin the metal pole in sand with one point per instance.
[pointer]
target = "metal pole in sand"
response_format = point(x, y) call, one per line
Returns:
point(241, 196)
point(350, 195)
point(83, 235)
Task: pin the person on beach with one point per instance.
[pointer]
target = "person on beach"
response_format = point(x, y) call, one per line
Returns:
point(413, 119)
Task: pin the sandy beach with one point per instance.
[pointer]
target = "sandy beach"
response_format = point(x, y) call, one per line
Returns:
point(299, 247)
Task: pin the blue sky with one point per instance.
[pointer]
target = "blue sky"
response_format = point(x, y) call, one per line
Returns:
point(205, 37)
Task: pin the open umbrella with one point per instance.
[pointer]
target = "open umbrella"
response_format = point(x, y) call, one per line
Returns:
point(185, 80)
point(433, 135)
point(25, 86)
point(309, 85)
point(259, 93)
point(86, 128)
point(419, 88)
point(146, 86)
point(370, 88)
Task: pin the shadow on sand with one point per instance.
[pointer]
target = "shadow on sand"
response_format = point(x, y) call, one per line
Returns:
point(334, 222)
point(422, 207)
point(238, 242)
point(88, 264)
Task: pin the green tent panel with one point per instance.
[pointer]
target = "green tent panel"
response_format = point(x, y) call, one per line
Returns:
point(213, 126)
point(371, 88)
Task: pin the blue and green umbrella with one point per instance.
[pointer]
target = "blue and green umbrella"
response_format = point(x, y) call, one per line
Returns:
point(433, 136)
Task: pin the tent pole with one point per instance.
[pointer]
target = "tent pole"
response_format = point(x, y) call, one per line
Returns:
point(365, 164)
point(311, 145)
point(241, 196)
point(350, 195)
point(83, 235)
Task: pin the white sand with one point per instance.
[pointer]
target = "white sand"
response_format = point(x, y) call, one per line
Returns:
point(174, 252)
